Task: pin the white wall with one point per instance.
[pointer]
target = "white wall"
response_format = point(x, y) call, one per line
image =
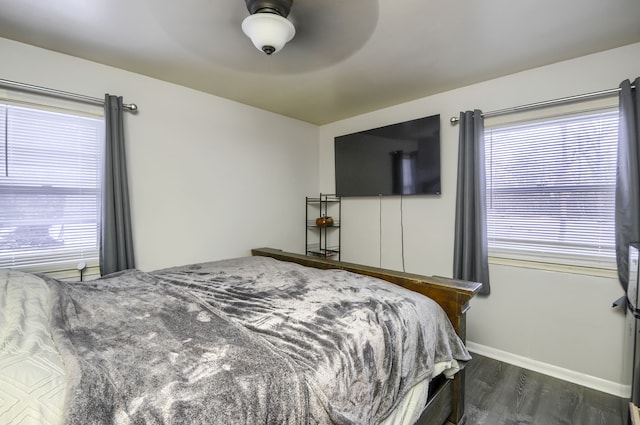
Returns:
point(209, 178)
point(550, 320)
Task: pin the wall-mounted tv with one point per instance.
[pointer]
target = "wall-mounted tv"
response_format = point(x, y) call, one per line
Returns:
point(398, 159)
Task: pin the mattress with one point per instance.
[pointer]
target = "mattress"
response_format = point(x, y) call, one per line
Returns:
point(32, 372)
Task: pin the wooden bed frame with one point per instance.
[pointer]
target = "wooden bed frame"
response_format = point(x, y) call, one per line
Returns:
point(446, 402)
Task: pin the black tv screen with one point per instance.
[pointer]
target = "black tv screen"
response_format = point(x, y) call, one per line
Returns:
point(398, 159)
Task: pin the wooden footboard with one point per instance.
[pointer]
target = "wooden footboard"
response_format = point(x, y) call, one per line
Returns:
point(452, 295)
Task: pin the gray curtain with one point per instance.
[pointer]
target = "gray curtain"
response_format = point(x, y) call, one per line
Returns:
point(116, 241)
point(470, 256)
point(628, 177)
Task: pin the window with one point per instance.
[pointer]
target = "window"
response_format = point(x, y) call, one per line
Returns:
point(50, 186)
point(551, 189)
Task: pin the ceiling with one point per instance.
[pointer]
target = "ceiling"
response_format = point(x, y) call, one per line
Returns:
point(348, 57)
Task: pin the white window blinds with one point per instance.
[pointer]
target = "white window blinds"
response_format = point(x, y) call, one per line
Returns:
point(50, 186)
point(551, 189)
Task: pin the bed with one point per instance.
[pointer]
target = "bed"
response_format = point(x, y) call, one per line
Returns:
point(269, 339)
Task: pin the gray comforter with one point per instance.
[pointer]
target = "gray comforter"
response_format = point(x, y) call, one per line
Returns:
point(244, 341)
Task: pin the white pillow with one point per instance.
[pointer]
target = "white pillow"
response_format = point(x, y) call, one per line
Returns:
point(32, 378)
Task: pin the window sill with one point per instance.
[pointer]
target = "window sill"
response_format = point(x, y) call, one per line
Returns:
point(562, 268)
point(64, 271)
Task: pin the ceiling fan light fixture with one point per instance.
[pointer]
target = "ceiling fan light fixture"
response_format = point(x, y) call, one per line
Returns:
point(269, 32)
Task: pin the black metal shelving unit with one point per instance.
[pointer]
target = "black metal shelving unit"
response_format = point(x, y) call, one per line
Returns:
point(323, 241)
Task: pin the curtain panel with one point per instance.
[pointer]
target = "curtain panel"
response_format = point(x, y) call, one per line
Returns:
point(116, 240)
point(470, 257)
point(628, 177)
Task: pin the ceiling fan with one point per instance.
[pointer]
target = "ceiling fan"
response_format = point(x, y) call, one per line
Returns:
point(268, 26)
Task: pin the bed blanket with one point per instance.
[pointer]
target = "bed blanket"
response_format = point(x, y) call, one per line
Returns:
point(250, 340)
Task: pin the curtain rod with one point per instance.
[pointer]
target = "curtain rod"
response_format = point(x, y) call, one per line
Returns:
point(593, 95)
point(60, 94)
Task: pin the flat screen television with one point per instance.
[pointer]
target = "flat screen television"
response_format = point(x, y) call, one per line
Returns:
point(397, 159)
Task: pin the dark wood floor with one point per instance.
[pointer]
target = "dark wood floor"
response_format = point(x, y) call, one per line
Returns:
point(501, 394)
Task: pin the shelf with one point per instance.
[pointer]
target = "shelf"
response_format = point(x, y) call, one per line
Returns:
point(317, 201)
point(323, 199)
point(312, 224)
point(324, 253)
point(323, 241)
point(316, 247)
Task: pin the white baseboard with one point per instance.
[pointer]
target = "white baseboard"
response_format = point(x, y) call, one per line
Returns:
point(583, 379)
